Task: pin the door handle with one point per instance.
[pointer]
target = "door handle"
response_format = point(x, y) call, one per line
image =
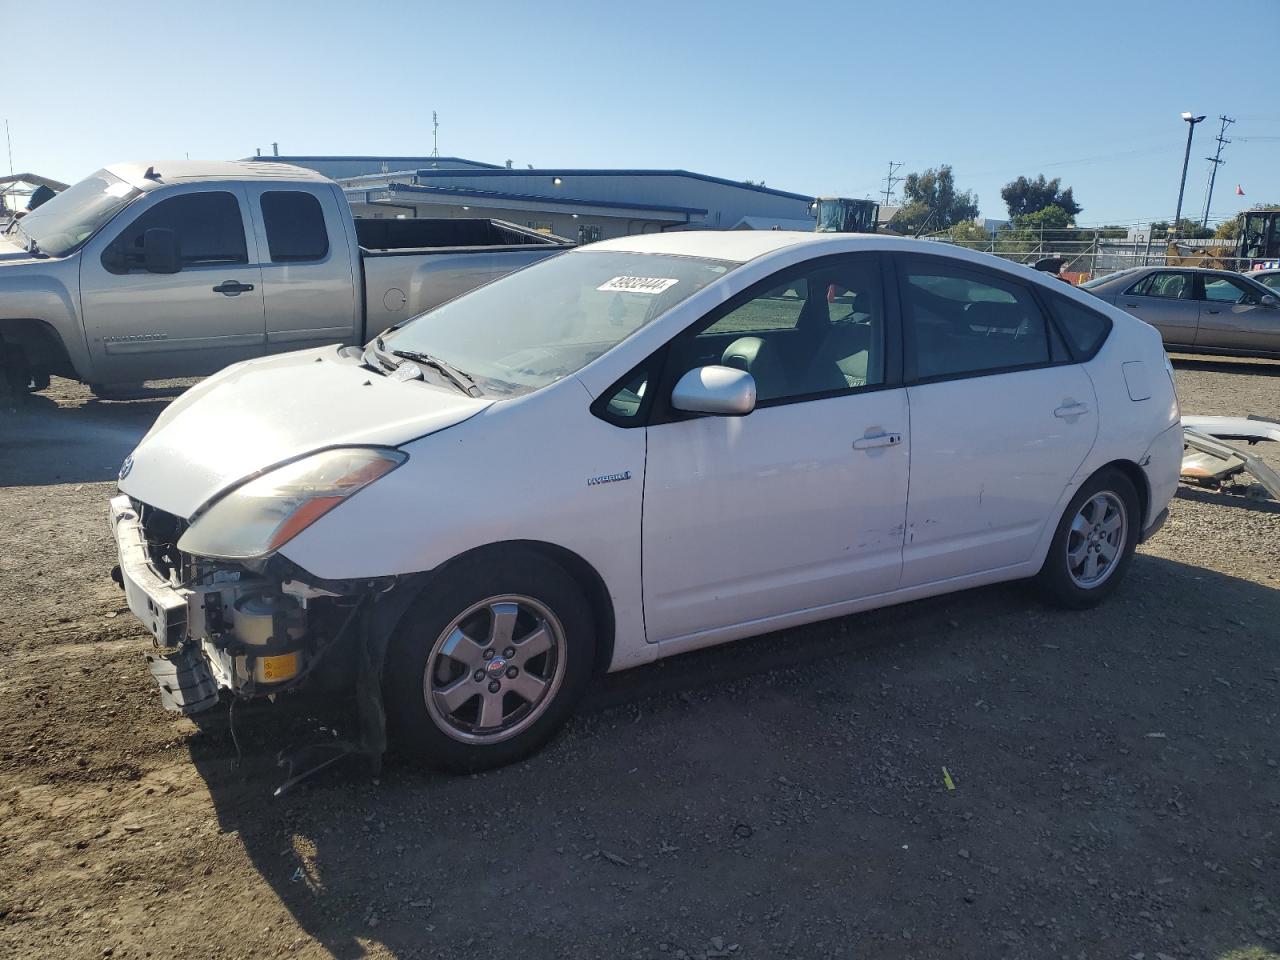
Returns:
point(1212, 311)
point(232, 288)
point(1068, 410)
point(877, 440)
point(1130, 304)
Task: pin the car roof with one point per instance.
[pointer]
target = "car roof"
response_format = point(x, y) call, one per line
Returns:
point(740, 246)
point(189, 171)
point(1169, 269)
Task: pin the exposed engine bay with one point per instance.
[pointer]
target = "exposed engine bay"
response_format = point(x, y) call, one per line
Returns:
point(220, 626)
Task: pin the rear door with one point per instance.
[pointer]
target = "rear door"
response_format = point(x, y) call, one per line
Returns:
point(1001, 419)
point(1232, 316)
point(1166, 300)
point(146, 326)
point(309, 274)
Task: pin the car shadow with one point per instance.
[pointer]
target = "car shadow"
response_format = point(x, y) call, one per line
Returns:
point(43, 442)
point(692, 798)
point(1233, 501)
point(1251, 367)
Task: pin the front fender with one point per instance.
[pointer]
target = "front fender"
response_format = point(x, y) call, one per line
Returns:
point(41, 299)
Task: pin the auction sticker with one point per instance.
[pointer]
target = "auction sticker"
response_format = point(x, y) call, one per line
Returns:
point(637, 284)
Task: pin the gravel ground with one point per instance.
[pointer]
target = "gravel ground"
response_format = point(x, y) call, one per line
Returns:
point(1116, 789)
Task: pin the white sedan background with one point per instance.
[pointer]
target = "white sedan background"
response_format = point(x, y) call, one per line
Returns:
point(634, 449)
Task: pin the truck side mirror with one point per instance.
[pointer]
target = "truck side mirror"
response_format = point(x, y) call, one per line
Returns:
point(160, 252)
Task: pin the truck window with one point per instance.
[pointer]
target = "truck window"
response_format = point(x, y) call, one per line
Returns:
point(208, 227)
point(295, 226)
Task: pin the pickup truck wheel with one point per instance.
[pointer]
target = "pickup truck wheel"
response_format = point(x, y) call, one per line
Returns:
point(15, 377)
point(1094, 542)
point(489, 662)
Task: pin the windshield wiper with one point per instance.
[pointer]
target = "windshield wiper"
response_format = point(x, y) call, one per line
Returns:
point(459, 379)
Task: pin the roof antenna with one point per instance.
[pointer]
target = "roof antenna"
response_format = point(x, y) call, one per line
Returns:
point(435, 134)
point(151, 174)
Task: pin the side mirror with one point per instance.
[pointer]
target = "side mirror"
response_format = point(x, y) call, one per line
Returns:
point(1269, 301)
point(160, 251)
point(721, 391)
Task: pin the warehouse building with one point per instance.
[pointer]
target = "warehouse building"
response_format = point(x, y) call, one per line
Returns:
point(582, 205)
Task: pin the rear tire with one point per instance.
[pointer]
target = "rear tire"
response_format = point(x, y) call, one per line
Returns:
point(489, 661)
point(1094, 543)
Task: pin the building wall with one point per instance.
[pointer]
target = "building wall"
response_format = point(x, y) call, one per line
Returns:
point(578, 229)
point(725, 203)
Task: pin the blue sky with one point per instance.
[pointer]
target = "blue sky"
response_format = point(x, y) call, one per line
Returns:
point(814, 97)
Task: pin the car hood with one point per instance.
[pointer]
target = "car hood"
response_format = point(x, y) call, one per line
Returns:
point(260, 413)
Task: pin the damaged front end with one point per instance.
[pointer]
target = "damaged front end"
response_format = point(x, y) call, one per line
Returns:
point(221, 626)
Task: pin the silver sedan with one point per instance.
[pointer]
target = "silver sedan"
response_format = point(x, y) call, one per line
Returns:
point(1198, 310)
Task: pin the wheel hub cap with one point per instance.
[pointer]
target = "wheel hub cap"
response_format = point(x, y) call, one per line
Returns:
point(494, 669)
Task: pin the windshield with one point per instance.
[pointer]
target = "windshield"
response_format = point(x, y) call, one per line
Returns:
point(73, 216)
point(550, 320)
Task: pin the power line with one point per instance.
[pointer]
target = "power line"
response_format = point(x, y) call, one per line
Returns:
point(891, 180)
point(1216, 160)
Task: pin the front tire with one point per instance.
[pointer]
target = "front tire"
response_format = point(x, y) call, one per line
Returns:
point(489, 661)
point(1094, 543)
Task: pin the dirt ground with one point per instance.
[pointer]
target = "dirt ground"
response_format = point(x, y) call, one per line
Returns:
point(1116, 785)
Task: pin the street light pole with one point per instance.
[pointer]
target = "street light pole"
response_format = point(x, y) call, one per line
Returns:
point(1186, 158)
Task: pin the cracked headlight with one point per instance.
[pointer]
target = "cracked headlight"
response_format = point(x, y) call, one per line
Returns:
point(258, 517)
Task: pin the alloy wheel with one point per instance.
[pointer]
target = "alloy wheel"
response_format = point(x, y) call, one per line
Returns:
point(494, 669)
point(1096, 540)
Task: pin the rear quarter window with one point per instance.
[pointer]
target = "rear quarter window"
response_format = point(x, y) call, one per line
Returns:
point(1085, 329)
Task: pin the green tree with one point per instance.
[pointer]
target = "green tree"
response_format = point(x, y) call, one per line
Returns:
point(933, 203)
point(968, 231)
point(1024, 196)
point(1052, 217)
point(1186, 230)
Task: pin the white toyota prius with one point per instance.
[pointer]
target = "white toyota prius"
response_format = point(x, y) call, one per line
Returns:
point(637, 448)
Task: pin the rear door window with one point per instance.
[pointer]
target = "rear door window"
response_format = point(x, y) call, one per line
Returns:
point(295, 226)
point(961, 323)
point(1166, 286)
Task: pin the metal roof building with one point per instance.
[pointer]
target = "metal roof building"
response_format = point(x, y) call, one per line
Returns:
point(584, 205)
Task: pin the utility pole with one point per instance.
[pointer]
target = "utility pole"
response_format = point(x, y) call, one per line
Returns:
point(435, 134)
point(891, 180)
point(1217, 161)
point(1186, 158)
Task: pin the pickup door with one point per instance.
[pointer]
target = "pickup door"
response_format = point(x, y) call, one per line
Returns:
point(144, 325)
point(308, 262)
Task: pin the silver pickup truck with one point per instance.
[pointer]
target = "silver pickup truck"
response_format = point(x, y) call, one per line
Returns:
point(178, 268)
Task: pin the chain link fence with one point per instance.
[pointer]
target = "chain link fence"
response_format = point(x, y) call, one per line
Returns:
point(1086, 255)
